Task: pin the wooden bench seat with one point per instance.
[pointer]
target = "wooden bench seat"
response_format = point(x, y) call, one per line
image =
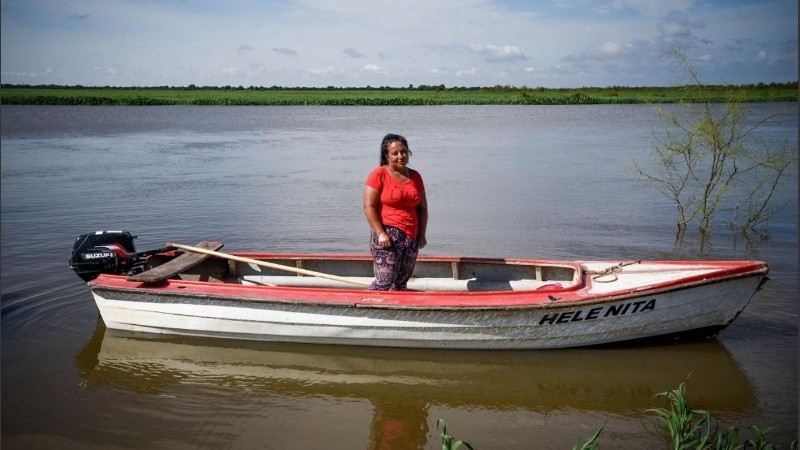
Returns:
point(174, 267)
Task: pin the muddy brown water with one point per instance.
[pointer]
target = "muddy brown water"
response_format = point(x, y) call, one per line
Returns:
point(529, 182)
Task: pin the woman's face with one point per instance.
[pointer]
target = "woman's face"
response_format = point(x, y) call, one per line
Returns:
point(397, 154)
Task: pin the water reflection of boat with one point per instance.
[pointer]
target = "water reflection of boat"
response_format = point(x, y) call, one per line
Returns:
point(621, 380)
point(403, 385)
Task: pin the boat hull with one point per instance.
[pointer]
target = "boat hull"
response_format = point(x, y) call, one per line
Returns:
point(505, 323)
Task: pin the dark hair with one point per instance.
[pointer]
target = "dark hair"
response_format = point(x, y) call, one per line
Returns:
point(388, 139)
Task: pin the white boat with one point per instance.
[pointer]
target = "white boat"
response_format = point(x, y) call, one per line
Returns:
point(452, 302)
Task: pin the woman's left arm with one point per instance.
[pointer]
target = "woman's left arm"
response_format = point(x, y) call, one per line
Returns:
point(422, 217)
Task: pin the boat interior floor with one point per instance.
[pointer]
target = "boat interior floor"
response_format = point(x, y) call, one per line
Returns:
point(434, 276)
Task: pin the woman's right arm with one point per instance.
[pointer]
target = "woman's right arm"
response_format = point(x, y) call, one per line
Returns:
point(371, 202)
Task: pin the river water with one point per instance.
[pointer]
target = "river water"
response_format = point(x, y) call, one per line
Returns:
point(522, 181)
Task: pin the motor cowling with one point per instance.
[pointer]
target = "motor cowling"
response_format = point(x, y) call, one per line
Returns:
point(111, 252)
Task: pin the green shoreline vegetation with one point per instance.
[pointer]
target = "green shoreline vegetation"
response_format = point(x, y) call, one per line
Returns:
point(682, 427)
point(391, 96)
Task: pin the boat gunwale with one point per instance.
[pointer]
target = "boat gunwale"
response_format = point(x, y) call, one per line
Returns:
point(541, 299)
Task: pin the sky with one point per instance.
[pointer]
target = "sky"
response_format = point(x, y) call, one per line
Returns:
point(358, 43)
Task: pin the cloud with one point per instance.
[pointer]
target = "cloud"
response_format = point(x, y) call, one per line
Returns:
point(494, 53)
point(568, 42)
point(330, 70)
point(352, 53)
point(257, 68)
point(649, 7)
point(12, 73)
point(109, 71)
point(602, 9)
point(610, 48)
point(677, 25)
point(285, 51)
point(467, 72)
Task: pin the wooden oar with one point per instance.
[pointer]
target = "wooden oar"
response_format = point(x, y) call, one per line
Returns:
point(268, 264)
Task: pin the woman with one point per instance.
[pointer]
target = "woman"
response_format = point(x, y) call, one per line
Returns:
point(397, 212)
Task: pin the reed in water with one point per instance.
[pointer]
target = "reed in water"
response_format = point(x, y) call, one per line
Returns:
point(684, 428)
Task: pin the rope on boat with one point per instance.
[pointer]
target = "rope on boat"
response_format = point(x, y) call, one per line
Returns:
point(609, 274)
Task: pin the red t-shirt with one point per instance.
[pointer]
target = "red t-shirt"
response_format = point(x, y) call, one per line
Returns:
point(398, 201)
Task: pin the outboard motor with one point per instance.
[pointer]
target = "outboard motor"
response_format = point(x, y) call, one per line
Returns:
point(109, 252)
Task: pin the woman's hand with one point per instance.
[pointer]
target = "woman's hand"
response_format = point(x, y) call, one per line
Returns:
point(384, 240)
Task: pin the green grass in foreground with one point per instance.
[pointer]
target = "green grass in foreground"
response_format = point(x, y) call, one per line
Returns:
point(684, 429)
point(498, 95)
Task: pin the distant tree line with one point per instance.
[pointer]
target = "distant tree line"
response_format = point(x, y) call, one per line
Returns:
point(410, 87)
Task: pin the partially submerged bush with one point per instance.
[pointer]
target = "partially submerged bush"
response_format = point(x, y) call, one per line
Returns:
point(709, 163)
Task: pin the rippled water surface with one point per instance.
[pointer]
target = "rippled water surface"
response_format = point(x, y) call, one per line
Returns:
point(537, 182)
